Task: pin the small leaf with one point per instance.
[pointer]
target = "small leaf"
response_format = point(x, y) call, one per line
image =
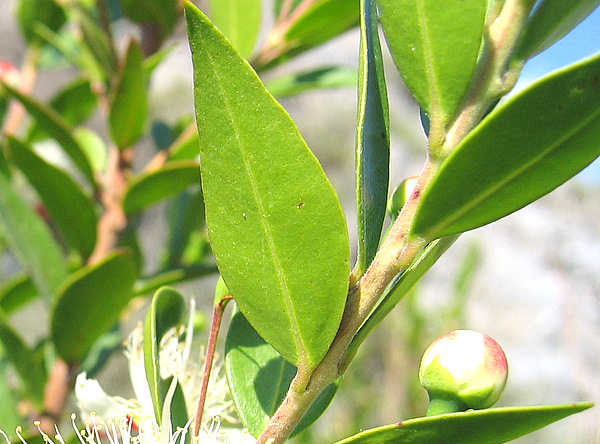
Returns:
point(270, 209)
point(129, 101)
point(29, 365)
point(490, 426)
point(16, 292)
point(9, 407)
point(321, 78)
point(150, 188)
point(549, 22)
point(75, 104)
point(57, 128)
point(522, 150)
point(259, 378)
point(89, 303)
point(30, 240)
point(239, 21)
point(166, 311)
point(435, 49)
point(71, 210)
point(372, 140)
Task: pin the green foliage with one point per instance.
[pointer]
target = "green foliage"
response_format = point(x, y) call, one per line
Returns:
point(281, 213)
point(240, 22)
point(489, 426)
point(516, 167)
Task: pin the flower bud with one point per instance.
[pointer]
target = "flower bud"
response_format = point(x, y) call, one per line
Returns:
point(463, 370)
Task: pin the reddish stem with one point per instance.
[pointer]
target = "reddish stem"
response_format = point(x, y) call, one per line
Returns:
point(210, 354)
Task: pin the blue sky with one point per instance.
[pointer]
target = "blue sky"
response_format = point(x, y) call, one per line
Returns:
point(583, 41)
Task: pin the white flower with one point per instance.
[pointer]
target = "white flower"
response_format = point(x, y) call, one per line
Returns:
point(465, 367)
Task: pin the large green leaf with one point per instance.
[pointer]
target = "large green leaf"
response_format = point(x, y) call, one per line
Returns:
point(491, 426)
point(166, 311)
point(372, 140)
point(275, 224)
point(524, 149)
point(29, 365)
point(68, 206)
point(55, 126)
point(150, 188)
point(89, 303)
point(549, 22)
point(30, 240)
point(259, 378)
point(129, 99)
point(435, 48)
point(239, 21)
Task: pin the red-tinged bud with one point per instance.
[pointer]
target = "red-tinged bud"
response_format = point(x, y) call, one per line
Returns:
point(463, 370)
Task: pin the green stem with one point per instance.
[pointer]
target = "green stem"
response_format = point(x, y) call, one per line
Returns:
point(441, 406)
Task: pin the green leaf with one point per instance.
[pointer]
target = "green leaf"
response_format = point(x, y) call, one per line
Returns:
point(490, 426)
point(549, 22)
point(270, 209)
point(29, 365)
point(9, 407)
point(32, 12)
point(259, 378)
point(129, 99)
point(75, 103)
point(57, 128)
point(31, 240)
point(328, 77)
point(71, 209)
point(89, 303)
point(309, 25)
point(372, 140)
point(16, 292)
point(239, 21)
point(166, 311)
point(164, 14)
point(524, 149)
point(278, 7)
point(435, 49)
point(94, 147)
point(186, 216)
point(150, 188)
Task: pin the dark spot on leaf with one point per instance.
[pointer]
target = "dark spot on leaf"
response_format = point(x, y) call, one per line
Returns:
point(300, 205)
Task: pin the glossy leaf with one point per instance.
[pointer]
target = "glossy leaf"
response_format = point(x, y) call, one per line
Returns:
point(259, 378)
point(150, 188)
point(239, 21)
point(490, 426)
point(166, 311)
point(270, 209)
point(75, 104)
point(549, 22)
point(16, 292)
point(69, 208)
point(435, 49)
point(372, 140)
point(30, 240)
point(329, 77)
point(524, 149)
point(89, 303)
point(129, 99)
point(54, 125)
point(29, 365)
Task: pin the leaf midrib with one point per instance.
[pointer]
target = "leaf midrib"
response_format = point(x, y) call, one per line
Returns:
point(299, 344)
